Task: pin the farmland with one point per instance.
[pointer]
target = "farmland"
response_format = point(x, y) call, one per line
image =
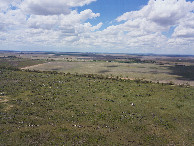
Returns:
point(75, 102)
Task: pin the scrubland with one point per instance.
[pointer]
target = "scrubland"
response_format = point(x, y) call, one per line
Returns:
point(56, 108)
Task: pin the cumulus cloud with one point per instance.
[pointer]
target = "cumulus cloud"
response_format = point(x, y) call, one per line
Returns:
point(45, 7)
point(4, 4)
point(162, 12)
point(186, 27)
point(183, 32)
point(168, 12)
point(48, 7)
point(44, 22)
point(156, 17)
point(69, 25)
point(11, 20)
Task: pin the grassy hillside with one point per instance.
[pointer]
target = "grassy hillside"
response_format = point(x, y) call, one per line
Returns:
point(49, 108)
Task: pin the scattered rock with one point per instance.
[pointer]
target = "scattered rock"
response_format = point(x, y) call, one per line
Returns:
point(132, 104)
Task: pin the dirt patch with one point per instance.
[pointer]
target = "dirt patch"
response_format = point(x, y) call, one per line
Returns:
point(8, 107)
point(3, 99)
point(34, 66)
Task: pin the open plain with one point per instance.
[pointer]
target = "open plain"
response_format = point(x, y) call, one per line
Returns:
point(89, 101)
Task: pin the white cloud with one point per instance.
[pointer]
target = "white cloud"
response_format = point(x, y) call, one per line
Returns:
point(68, 26)
point(183, 32)
point(186, 28)
point(11, 20)
point(98, 26)
point(4, 4)
point(162, 12)
point(45, 7)
point(48, 7)
point(74, 17)
point(45, 21)
point(48, 23)
point(147, 24)
point(168, 12)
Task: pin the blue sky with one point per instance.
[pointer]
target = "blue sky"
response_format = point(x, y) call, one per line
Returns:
point(119, 26)
point(111, 9)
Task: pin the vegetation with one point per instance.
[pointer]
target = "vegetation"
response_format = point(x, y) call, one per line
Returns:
point(16, 62)
point(149, 71)
point(136, 60)
point(51, 108)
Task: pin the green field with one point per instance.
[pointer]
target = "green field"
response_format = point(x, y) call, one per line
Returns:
point(148, 71)
point(17, 62)
point(50, 108)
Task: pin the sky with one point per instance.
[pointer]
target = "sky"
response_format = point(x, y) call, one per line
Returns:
point(111, 26)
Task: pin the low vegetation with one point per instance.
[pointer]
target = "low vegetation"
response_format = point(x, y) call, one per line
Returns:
point(148, 71)
point(51, 108)
point(16, 62)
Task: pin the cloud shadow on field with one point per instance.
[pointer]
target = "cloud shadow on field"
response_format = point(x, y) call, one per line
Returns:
point(103, 71)
point(56, 69)
point(111, 66)
point(184, 72)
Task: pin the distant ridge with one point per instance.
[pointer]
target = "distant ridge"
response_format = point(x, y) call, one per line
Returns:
point(70, 53)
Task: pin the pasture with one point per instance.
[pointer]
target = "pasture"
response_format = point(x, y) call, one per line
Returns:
point(147, 71)
point(77, 103)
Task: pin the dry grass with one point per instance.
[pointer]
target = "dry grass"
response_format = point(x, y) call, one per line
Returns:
point(147, 71)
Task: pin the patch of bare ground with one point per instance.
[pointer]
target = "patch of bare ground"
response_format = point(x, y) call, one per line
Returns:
point(4, 100)
point(34, 66)
point(173, 82)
